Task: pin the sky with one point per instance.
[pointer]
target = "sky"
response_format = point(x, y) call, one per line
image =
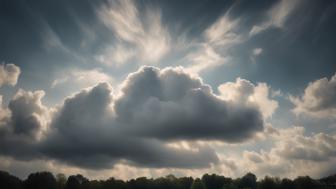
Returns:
point(130, 88)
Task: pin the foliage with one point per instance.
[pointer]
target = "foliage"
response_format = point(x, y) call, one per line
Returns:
point(46, 180)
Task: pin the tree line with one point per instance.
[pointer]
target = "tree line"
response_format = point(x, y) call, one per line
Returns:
point(46, 180)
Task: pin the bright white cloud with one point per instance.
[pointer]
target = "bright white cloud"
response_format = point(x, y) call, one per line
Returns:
point(82, 78)
point(223, 32)
point(117, 55)
point(294, 154)
point(148, 36)
point(277, 16)
point(319, 99)
point(204, 58)
point(218, 39)
point(244, 92)
point(257, 51)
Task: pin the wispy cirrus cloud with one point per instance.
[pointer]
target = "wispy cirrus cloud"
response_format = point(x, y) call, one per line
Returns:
point(277, 16)
point(218, 39)
point(82, 78)
point(140, 37)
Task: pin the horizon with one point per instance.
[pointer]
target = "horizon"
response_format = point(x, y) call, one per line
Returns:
point(258, 179)
point(133, 88)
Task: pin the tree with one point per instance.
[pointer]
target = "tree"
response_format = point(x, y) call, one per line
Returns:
point(77, 182)
point(213, 181)
point(306, 183)
point(248, 181)
point(287, 184)
point(61, 180)
point(113, 183)
point(330, 180)
point(269, 183)
point(140, 183)
point(184, 182)
point(198, 184)
point(8, 181)
point(40, 180)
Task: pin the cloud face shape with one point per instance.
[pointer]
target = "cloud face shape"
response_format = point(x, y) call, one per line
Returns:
point(154, 107)
point(319, 98)
point(9, 74)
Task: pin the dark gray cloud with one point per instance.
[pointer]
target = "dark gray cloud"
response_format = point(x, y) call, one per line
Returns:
point(170, 104)
point(87, 134)
point(96, 129)
point(22, 125)
point(27, 112)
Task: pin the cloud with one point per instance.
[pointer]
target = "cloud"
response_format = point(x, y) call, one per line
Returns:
point(257, 51)
point(253, 156)
point(87, 134)
point(28, 115)
point(319, 99)
point(146, 38)
point(25, 115)
point(171, 104)
point(223, 32)
point(277, 16)
point(294, 154)
point(319, 147)
point(3, 114)
point(23, 125)
point(218, 39)
point(117, 55)
point(9, 74)
point(205, 57)
point(96, 128)
point(82, 78)
point(244, 92)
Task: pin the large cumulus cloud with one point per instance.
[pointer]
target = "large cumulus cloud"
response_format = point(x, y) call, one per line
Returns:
point(170, 104)
point(86, 133)
point(97, 128)
point(319, 99)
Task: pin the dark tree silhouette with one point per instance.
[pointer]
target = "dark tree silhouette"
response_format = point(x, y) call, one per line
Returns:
point(269, 182)
point(77, 182)
point(45, 180)
point(113, 183)
point(248, 181)
point(287, 184)
point(8, 181)
point(40, 180)
point(61, 180)
point(215, 181)
point(306, 183)
point(197, 184)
